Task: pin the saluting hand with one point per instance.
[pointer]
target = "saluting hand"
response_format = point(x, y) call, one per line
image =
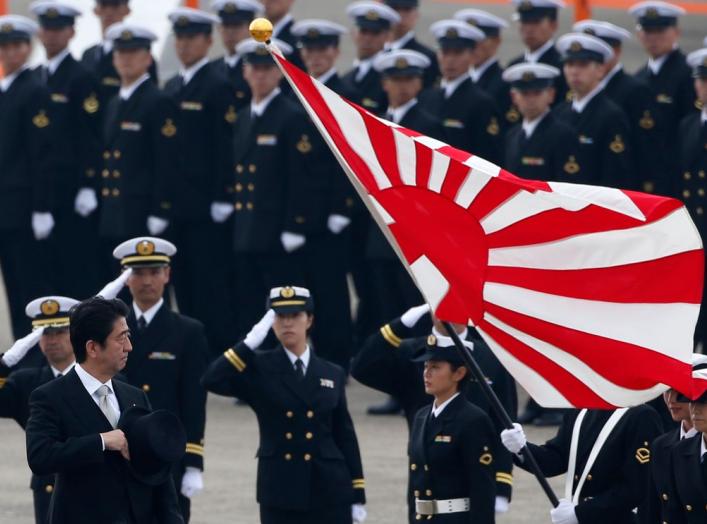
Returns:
point(413, 315)
point(115, 441)
point(258, 332)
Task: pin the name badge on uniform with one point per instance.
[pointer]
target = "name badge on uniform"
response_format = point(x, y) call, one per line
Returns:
point(326, 383)
point(532, 161)
point(59, 98)
point(662, 98)
point(192, 106)
point(161, 355)
point(130, 126)
point(443, 438)
point(266, 140)
point(585, 139)
point(453, 123)
point(110, 81)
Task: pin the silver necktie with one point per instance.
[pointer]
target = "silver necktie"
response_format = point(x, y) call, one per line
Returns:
point(106, 406)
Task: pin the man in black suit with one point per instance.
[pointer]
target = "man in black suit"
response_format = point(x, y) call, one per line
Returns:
point(50, 320)
point(71, 429)
point(203, 188)
point(26, 171)
point(309, 464)
point(169, 354)
point(75, 114)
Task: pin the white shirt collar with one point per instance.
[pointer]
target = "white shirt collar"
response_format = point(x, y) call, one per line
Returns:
point(534, 56)
point(364, 66)
point(703, 115)
point(579, 105)
point(656, 64)
point(90, 382)
point(231, 60)
point(398, 113)
point(281, 24)
point(450, 86)
point(7, 81)
point(477, 72)
point(400, 42)
point(53, 64)
point(127, 91)
point(304, 357)
point(150, 313)
point(703, 445)
point(257, 109)
point(107, 46)
point(529, 127)
point(687, 434)
point(437, 410)
point(326, 76)
point(611, 74)
point(189, 73)
point(56, 372)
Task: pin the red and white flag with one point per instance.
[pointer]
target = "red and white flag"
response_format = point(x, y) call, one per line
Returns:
point(588, 295)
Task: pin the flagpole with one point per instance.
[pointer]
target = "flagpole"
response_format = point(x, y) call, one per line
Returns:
point(500, 411)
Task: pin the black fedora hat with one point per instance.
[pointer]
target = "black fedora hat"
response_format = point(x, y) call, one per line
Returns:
point(156, 440)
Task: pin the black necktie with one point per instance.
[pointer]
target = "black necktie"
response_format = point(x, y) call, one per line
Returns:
point(141, 323)
point(299, 369)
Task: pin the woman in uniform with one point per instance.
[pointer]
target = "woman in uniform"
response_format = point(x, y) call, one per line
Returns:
point(452, 445)
point(309, 464)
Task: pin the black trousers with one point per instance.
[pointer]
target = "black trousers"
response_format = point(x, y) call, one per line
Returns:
point(326, 515)
point(41, 505)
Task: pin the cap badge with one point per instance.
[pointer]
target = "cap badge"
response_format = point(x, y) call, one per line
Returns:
point(182, 21)
point(432, 340)
point(313, 33)
point(472, 21)
point(145, 248)
point(575, 47)
point(287, 292)
point(528, 76)
point(401, 63)
point(51, 12)
point(372, 15)
point(452, 33)
point(261, 51)
point(49, 307)
point(7, 28)
point(525, 6)
point(651, 12)
point(127, 35)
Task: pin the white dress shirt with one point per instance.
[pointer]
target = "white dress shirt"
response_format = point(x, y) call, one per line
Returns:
point(703, 116)
point(529, 127)
point(534, 56)
point(363, 66)
point(304, 357)
point(6, 82)
point(703, 447)
point(579, 105)
point(53, 63)
point(687, 434)
point(450, 86)
point(56, 372)
point(656, 64)
point(281, 24)
point(477, 72)
point(398, 113)
point(127, 91)
point(400, 42)
point(149, 314)
point(437, 410)
point(107, 46)
point(91, 384)
point(611, 74)
point(258, 108)
point(189, 73)
point(326, 76)
point(231, 60)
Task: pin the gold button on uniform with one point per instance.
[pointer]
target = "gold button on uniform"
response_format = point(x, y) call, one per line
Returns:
point(417, 493)
point(249, 206)
point(239, 168)
point(288, 456)
point(307, 457)
point(427, 468)
point(664, 496)
point(688, 507)
point(105, 173)
point(687, 175)
point(105, 192)
point(413, 467)
point(309, 435)
point(48, 488)
point(116, 154)
point(310, 414)
point(239, 187)
point(252, 168)
point(699, 210)
point(288, 435)
point(686, 193)
point(418, 517)
point(239, 206)
point(589, 477)
point(115, 192)
point(428, 492)
point(106, 155)
point(116, 174)
point(251, 187)
point(290, 414)
point(146, 387)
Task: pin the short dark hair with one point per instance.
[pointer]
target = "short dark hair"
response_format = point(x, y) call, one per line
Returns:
point(93, 319)
point(464, 382)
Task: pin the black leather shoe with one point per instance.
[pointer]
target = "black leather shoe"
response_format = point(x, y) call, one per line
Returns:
point(389, 407)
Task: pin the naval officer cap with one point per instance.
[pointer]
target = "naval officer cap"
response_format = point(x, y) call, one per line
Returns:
point(438, 348)
point(314, 32)
point(236, 12)
point(372, 16)
point(536, 10)
point(490, 24)
point(188, 21)
point(256, 53)
point(455, 34)
point(50, 312)
point(697, 60)
point(145, 252)
point(610, 33)
point(125, 35)
point(54, 14)
point(581, 46)
point(655, 14)
point(285, 300)
point(531, 76)
point(14, 28)
point(401, 63)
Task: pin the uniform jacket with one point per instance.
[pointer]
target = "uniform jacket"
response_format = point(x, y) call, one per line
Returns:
point(308, 455)
point(492, 83)
point(451, 456)
point(661, 500)
point(167, 362)
point(234, 75)
point(369, 88)
point(690, 481)
point(206, 115)
point(140, 161)
point(690, 181)
point(92, 485)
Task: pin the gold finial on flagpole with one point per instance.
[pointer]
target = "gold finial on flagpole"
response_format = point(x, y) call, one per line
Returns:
point(261, 29)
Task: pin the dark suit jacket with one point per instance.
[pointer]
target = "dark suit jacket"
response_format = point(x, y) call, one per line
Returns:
point(92, 485)
point(690, 178)
point(660, 503)
point(308, 456)
point(369, 88)
point(491, 81)
point(690, 481)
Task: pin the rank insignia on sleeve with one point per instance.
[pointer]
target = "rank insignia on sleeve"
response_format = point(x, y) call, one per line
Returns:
point(91, 105)
point(304, 146)
point(486, 459)
point(617, 145)
point(230, 115)
point(41, 120)
point(169, 129)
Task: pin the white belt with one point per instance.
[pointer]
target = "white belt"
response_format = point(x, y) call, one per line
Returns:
point(435, 507)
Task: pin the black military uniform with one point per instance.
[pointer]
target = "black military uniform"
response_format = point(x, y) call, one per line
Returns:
point(452, 456)
point(660, 502)
point(309, 465)
point(282, 30)
point(618, 479)
point(26, 171)
point(690, 480)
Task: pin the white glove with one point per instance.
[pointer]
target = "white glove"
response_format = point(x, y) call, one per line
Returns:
point(413, 315)
point(258, 332)
point(514, 439)
point(112, 288)
point(502, 504)
point(156, 225)
point(220, 211)
point(192, 482)
point(20, 348)
point(85, 202)
point(358, 513)
point(564, 513)
point(292, 241)
point(42, 225)
point(337, 223)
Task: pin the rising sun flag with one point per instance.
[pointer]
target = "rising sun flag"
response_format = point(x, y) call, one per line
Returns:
point(587, 295)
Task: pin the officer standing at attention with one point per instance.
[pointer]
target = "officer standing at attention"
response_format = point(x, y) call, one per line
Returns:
point(26, 170)
point(141, 156)
point(537, 24)
point(452, 444)
point(603, 155)
point(403, 36)
point(469, 116)
point(309, 465)
point(169, 355)
point(235, 16)
point(50, 321)
point(203, 189)
point(538, 147)
point(75, 115)
point(635, 98)
point(374, 22)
